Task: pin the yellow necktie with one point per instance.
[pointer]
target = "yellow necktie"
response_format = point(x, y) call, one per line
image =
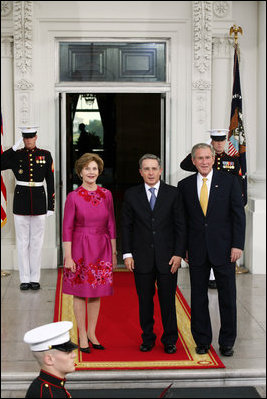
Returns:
point(204, 196)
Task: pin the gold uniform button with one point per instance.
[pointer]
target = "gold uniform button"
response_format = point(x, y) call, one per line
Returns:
point(46, 385)
point(218, 168)
point(62, 383)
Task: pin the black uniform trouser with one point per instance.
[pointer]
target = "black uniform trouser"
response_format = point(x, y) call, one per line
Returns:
point(200, 318)
point(145, 287)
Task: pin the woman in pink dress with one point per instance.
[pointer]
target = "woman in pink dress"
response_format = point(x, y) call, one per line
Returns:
point(89, 238)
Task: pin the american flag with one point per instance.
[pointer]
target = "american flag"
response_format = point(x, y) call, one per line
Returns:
point(236, 135)
point(3, 187)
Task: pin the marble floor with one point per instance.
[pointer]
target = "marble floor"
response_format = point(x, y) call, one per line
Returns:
point(23, 310)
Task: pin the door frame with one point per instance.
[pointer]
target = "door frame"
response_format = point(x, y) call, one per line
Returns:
point(165, 125)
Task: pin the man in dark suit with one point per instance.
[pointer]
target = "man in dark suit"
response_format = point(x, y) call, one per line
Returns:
point(31, 166)
point(153, 243)
point(215, 236)
point(223, 162)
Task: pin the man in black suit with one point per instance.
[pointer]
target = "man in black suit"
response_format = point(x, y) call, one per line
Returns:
point(223, 162)
point(215, 236)
point(153, 243)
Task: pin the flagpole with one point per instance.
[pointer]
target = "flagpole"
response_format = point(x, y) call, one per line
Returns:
point(4, 273)
point(236, 30)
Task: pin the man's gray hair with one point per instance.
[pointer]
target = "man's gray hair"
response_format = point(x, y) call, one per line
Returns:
point(200, 146)
point(149, 156)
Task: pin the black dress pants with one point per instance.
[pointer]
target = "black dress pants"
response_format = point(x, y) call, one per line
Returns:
point(200, 318)
point(145, 287)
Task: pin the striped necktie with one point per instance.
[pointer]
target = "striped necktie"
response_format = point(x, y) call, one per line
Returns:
point(203, 199)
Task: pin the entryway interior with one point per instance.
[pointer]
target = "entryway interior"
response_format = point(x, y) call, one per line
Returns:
point(122, 127)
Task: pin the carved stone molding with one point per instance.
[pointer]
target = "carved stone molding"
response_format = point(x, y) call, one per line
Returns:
point(6, 8)
point(202, 19)
point(22, 16)
point(221, 8)
point(24, 84)
point(201, 108)
point(201, 85)
point(222, 47)
point(24, 108)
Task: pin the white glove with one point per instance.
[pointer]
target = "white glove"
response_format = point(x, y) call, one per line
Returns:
point(17, 144)
point(49, 213)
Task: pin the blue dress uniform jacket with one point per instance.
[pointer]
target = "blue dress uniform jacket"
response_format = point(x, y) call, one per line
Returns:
point(47, 386)
point(31, 166)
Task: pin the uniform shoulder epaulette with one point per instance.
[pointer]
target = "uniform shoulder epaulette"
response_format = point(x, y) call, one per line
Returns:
point(42, 149)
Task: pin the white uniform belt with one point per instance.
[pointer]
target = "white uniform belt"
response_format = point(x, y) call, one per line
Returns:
point(30, 183)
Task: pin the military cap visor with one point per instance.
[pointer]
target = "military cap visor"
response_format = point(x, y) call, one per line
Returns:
point(28, 132)
point(28, 135)
point(66, 347)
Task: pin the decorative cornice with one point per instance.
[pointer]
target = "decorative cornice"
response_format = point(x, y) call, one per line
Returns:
point(6, 8)
point(202, 18)
point(24, 84)
point(201, 85)
point(221, 8)
point(22, 15)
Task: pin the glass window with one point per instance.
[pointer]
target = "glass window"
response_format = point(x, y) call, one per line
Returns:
point(123, 62)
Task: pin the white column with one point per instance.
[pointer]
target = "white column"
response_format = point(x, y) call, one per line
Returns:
point(255, 250)
point(7, 101)
point(222, 52)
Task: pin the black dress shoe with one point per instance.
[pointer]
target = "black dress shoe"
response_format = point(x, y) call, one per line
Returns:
point(226, 350)
point(212, 284)
point(24, 286)
point(35, 286)
point(146, 347)
point(84, 350)
point(202, 349)
point(96, 346)
point(170, 348)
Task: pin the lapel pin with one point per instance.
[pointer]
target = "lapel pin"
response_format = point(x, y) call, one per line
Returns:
point(216, 185)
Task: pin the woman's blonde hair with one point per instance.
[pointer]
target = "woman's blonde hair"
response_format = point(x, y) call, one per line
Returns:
point(85, 159)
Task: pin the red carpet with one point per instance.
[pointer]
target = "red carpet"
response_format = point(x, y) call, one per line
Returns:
point(119, 331)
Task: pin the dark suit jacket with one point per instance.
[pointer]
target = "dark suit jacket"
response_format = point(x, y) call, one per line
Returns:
point(153, 237)
point(222, 228)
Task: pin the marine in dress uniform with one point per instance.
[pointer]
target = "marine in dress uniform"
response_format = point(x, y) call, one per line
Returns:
point(53, 349)
point(31, 167)
point(223, 162)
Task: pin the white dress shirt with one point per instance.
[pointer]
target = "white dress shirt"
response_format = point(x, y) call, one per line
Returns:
point(148, 193)
point(200, 182)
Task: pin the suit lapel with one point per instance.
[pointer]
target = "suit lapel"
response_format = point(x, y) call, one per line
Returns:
point(195, 194)
point(143, 197)
point(215, 182)
point(160, 196)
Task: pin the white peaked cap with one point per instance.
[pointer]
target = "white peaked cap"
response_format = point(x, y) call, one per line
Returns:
point(218, 132)
point(28, 129)
point(44, 337)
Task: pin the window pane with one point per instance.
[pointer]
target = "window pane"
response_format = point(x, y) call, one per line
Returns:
point(125, 62)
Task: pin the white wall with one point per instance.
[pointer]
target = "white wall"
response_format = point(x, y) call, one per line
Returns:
point(193, 96)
